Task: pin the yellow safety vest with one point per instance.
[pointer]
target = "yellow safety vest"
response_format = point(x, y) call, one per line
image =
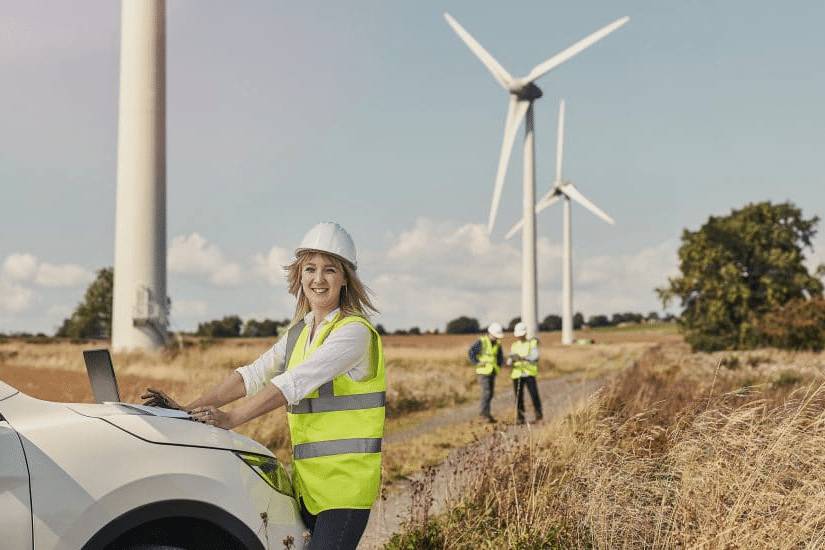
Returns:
point(336, 430)
point(524, 367)
point(488, 357)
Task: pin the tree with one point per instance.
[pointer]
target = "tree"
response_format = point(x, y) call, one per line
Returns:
point(379, 328)
point(578, 321)
point(463, 325)
point(735, 269)
point(596, 321)
point(415, 330)
point(551, 322)
point(228, 327)
point(92, 318)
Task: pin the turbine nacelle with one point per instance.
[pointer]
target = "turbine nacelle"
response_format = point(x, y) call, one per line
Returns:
point(524, 90)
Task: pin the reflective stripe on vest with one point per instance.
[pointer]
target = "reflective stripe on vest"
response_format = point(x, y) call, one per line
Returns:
point(337, 447)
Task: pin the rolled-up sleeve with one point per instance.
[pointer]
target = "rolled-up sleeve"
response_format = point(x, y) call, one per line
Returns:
point(343, 350)
point(256, 374)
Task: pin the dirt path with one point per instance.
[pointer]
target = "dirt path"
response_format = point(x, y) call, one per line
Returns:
point(558, 396)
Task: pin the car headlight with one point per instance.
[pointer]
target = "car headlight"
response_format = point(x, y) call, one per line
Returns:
point(270, 470)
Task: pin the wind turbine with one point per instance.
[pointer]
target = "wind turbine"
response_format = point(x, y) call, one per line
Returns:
point(564, 190)
point(523, 92)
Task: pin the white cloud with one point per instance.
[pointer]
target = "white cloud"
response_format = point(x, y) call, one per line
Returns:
point(270, 267)
point(20, 267)
point(62, 276)
point(438, 270)
point(194, 255)
point(21, 271)
point(27, 268)
point(14, 298)
point(452, 255)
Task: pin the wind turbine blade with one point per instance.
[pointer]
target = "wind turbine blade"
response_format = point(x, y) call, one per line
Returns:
point(499, 73)
point(543, 68)
point(560, 141)
point(576, 195)
point(515, 113)
point(546, 200)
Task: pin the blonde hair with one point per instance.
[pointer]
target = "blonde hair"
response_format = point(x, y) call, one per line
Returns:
point(354, 298)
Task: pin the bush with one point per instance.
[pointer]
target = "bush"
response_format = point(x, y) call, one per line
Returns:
point(799, 325)
point(463, 325)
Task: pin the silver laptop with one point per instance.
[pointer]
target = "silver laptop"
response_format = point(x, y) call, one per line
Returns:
point(101, 375)
point(104, 385)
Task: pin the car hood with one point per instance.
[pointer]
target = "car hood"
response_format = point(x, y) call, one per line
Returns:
point(24, 412)
point(157, 428)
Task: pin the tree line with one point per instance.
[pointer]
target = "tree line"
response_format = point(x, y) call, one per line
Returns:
point(468, 325)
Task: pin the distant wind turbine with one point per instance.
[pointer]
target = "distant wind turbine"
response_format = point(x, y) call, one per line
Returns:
point(565, 190)
point(523, 92)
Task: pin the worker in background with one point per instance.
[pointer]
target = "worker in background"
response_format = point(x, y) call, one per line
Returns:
point(524, 358)
point(488, 358)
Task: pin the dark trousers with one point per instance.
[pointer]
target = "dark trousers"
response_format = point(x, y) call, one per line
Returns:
point(339, 529)
point(487, 382)
point(518, 386)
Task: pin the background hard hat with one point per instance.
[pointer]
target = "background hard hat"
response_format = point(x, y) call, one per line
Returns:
point(520, 329)
point(495, 330)
point(331, 238)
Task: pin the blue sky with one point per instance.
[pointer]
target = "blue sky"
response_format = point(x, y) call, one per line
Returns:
point(376, 115)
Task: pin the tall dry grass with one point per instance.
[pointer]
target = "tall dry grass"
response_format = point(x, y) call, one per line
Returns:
point(682, 451)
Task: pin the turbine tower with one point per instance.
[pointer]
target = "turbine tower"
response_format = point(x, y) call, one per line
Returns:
point(565, 190)
point(140, 306)
point(523, 92)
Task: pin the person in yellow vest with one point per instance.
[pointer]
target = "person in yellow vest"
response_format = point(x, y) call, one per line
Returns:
point(524, 358)
point(488, 358)
point(328, 371)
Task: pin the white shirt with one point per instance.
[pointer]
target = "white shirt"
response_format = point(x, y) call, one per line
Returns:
point(345, 350)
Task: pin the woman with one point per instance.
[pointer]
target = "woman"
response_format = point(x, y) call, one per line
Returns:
point(329, 372)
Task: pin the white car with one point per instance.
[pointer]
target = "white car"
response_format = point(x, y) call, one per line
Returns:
point(111, 476)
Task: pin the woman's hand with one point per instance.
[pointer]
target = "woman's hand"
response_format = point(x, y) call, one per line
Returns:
point(157, 398)
point(213, 416)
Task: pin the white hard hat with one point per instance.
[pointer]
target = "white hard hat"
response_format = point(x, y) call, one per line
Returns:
point(331, 238)
point(520, 329)
point(495, 330)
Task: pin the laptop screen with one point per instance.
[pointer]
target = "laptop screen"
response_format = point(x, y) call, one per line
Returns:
point(101, 375)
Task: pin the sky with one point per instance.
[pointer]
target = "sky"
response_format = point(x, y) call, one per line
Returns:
point(375, 115)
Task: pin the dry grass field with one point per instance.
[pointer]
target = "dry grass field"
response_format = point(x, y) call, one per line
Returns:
point(424, 373)
point(681, 450)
